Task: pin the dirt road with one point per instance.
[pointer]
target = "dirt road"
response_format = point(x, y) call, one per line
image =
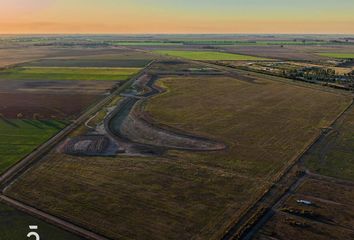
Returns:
point(137, 135)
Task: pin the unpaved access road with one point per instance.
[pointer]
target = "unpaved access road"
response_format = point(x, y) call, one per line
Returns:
point(137, 135)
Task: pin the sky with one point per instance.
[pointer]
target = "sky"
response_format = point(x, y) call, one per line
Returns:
point(176, 16)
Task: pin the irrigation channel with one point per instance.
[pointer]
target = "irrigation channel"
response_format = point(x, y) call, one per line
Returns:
point(136, 134)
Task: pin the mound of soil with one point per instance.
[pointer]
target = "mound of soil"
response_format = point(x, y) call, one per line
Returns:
point(89, 145)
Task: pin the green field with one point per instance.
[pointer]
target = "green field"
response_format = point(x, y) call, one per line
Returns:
point(15, 225)
point(68, 73)
point(210, 56)
point(338, 55)
point(20, 137)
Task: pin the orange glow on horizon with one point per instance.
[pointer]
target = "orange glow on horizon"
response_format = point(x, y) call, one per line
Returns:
point(136, 16)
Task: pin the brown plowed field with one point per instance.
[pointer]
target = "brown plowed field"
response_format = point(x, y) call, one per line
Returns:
point(44, 106)
point(56, 87)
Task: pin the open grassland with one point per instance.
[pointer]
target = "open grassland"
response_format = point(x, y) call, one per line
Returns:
point(20, 137)
point(334, 154)
point(210, 56)
point(338, 55)
point(182, 194)
point(72, 73)
point(15, 225)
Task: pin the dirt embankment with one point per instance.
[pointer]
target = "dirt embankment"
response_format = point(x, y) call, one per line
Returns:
point(139, 130)
point(130, 124)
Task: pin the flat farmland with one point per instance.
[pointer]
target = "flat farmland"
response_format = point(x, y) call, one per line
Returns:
point(19, 54)
point(275, 52)
point(15, 55)
point(334, 154)
point(146, 43)
point(20, 137)
point(72, 73)
point(270, 111)
point(210, 56)
point(118, 59)
point(44, 106)
point(293, 52)
point(14, 225)
point(184, 194)
point(89, 62)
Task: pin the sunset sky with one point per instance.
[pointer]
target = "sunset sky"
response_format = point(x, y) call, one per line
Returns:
point(177, 16)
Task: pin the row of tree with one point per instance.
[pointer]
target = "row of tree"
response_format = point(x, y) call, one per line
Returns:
point(322, 75)
point(312, 74)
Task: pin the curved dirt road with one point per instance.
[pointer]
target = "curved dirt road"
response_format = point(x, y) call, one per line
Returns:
point(127, 126)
